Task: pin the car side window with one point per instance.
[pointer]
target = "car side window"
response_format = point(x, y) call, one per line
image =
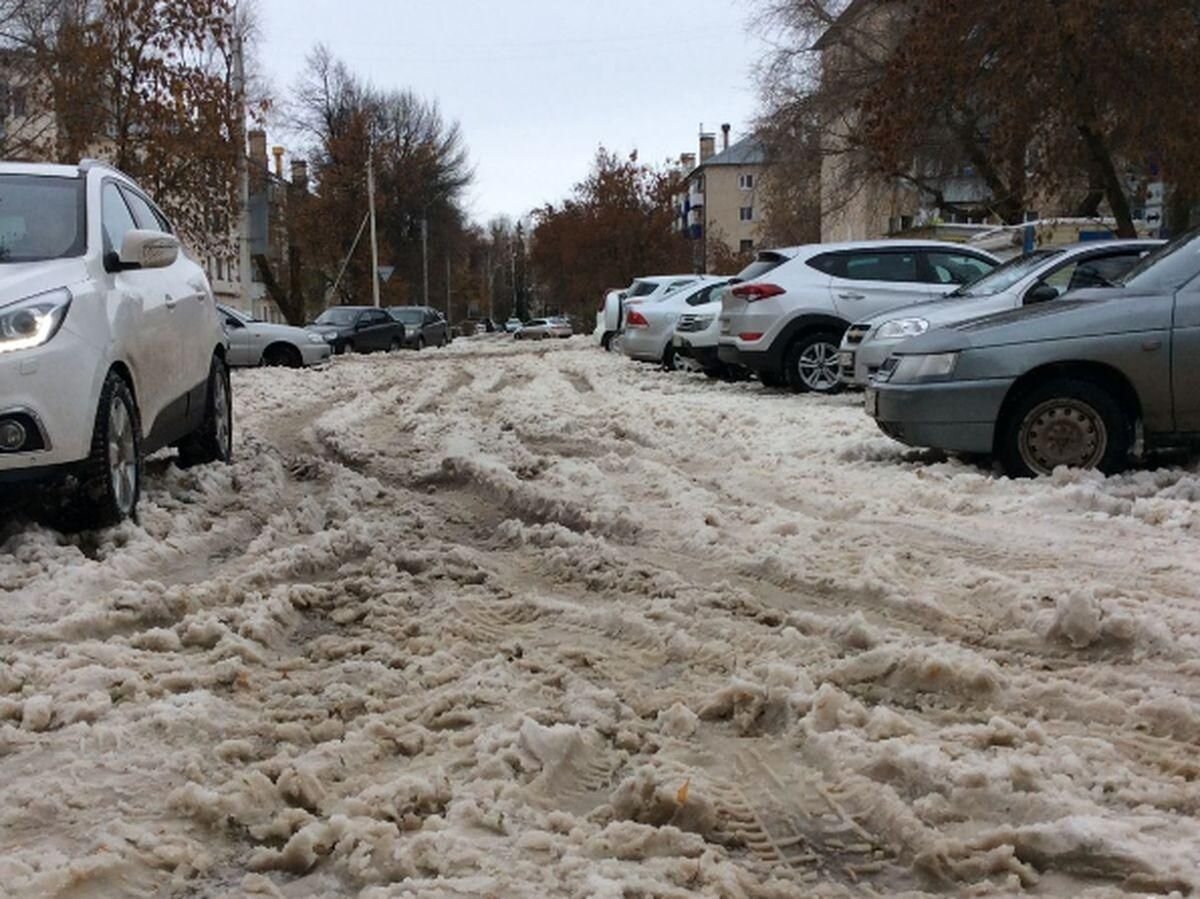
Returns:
point(877, 266)
point(115, 218)
point(704, 296)
point(1060, 279)
point(829, 264)
point(142, 213)
point(1104, 270)
point(955, 268)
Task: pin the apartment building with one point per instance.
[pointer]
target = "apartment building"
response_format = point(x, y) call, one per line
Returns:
point(720, 206)
point(29, 131)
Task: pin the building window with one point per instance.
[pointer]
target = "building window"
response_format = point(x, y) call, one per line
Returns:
point(747, 246)
point(746, 182)
point(746, 213)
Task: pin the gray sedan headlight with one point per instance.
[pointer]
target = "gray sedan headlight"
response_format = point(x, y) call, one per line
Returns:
point(32, 322)
point(914, 369)
point(315, 338)
point(900, 328)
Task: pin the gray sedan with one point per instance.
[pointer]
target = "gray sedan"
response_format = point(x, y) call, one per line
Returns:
point(252, 342)
point(1065, 383)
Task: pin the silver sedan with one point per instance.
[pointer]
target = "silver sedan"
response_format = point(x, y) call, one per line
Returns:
point(252, 342)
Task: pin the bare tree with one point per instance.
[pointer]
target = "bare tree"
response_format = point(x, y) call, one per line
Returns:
point(1069, 103)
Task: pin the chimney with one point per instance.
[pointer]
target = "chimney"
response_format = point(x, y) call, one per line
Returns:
point(708, 147)
point(258, 148)
point(687, 161)
point(277, 152)
point(725, 131)
point(300, 174)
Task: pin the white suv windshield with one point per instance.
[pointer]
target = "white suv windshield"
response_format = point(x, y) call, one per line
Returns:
point(1006, 275)
point(41, 218)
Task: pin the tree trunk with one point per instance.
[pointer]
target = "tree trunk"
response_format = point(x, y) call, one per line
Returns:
point(292, 307)
point(1114, 190)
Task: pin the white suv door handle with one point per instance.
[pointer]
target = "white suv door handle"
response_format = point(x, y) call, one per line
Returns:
point(852, 296)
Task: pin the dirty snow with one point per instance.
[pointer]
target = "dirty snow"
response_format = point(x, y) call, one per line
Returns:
point(511, 621)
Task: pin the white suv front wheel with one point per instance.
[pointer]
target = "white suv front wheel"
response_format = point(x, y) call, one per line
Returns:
point(111, 479)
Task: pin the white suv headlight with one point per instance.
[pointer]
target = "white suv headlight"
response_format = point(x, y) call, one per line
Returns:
point(911, 369)
point(902, 327)
point(32, 322)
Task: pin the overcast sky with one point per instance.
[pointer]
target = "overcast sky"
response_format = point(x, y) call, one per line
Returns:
point(538, 85)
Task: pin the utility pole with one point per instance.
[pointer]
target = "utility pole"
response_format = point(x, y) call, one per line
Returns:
point(513, 259)
point(374, 239)
point(425, 254)
point(491, 306)
point(245, 278)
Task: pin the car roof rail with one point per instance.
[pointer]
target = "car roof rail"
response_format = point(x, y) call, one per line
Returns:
point(88, 163)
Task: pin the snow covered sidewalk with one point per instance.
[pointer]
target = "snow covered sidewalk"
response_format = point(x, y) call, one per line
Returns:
point(516, 620)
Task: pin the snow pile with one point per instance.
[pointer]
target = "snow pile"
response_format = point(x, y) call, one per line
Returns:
point(529, 620)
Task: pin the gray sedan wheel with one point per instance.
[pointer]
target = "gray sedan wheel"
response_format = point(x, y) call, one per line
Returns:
point(1066, 422)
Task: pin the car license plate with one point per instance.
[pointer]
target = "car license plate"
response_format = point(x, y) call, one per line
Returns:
point(872, 402)
point(846, 359)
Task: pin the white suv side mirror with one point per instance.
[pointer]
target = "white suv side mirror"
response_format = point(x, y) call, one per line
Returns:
point(148, 249)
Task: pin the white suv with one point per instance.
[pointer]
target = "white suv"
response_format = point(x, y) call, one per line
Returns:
point(110, 343)
point(785, 319)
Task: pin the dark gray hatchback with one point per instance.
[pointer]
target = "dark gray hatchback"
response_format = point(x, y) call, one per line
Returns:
point(1067, 383)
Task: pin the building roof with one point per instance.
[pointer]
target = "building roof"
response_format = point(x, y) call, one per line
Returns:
point(848, 17)
point(747, 151)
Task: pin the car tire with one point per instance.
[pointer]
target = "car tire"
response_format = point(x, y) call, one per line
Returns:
point(1066, 421)
point(213, 441)
point(811, 364)
point(669, 360)
point(109, 485)
point(606, 342)
point(282, 355)
point(420, 343)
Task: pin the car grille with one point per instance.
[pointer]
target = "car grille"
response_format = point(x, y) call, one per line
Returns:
point(855, 334)
point(693, 323)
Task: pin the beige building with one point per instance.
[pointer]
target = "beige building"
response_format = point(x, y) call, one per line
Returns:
point(856, 202)
point(720, 208)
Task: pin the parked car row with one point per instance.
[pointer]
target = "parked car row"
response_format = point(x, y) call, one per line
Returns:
point(544, 329)
point(1073, 355)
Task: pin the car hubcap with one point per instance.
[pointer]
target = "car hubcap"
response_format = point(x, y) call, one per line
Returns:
point(222, 412)
point(122, 456)
point(818, 367)
point(1063, 432)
